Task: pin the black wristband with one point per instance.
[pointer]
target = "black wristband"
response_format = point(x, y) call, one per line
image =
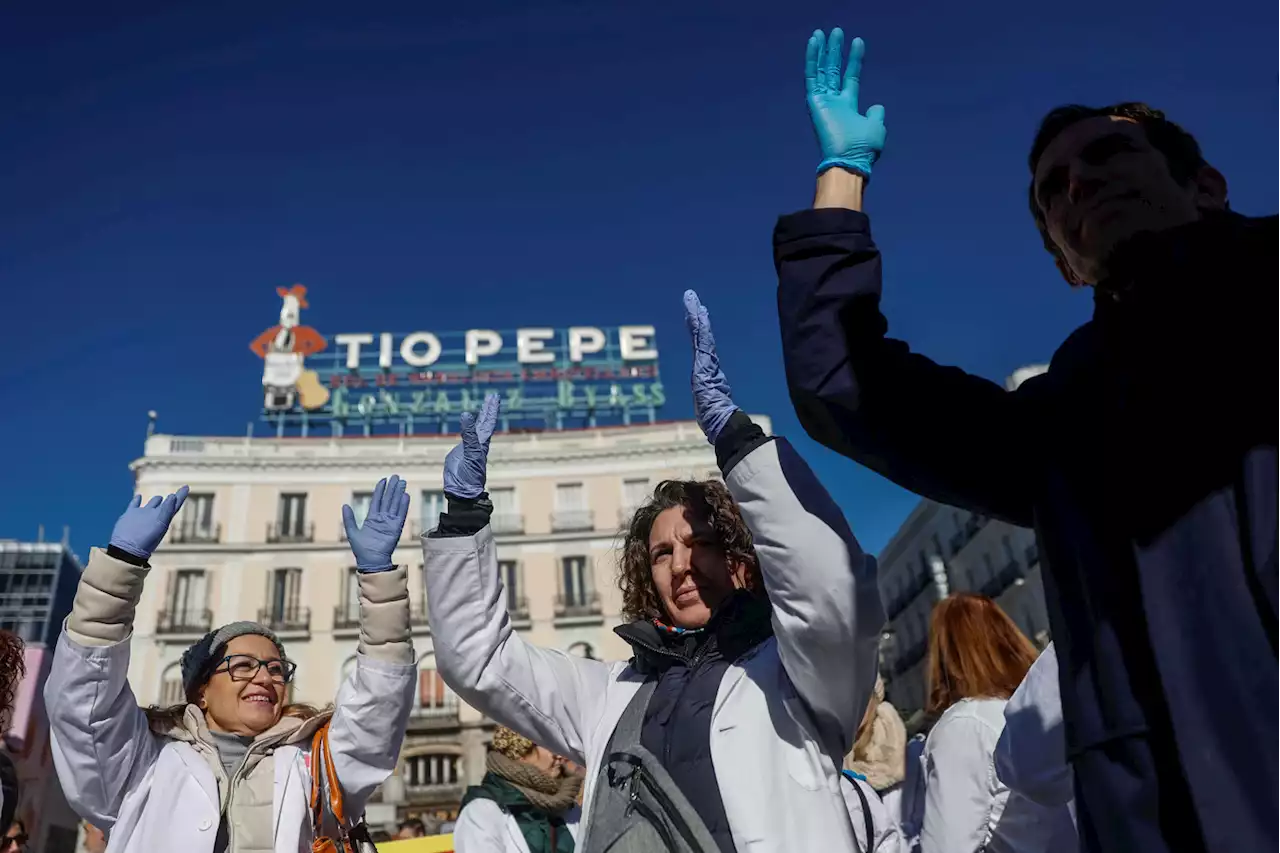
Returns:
point(125, 557)
point(739, 437)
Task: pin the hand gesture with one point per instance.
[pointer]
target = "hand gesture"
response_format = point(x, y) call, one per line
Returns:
point(140, 529)
point(467, 464)
point(846, 137)
point(711, 389)
point(375, 541)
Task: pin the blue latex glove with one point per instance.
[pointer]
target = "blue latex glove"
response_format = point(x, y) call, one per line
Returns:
point(711, 390)
point(467, 464)
point(375, 541)
point(846, 137)
point(141, 528)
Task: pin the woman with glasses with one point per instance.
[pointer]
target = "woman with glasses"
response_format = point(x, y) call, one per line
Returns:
point(229, 767)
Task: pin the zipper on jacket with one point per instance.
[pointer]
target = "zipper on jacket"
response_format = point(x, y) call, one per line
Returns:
point(668, 806)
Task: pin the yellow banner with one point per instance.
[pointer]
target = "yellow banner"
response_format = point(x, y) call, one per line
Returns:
point(430, 844)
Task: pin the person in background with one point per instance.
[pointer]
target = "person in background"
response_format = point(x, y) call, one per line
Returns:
point(13, 667)
point(1031, 755)
point(1145, 457)
point(977, 658)
point(526, 802)
point(92, 839)
point(878, 758)
point(228, 768)
point(15, 838)
point(753, 590)
point(411, 828)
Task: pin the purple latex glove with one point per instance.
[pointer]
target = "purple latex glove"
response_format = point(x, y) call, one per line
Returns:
point(141, 528)
point(466, 465)
point(711, 390)
point(375, 541)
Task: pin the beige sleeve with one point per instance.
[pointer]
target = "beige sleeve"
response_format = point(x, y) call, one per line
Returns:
point(384, 616)
point(103, 610)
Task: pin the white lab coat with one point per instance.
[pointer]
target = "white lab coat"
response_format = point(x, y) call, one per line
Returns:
point(967, 807)
point(151, 793)
point(1031, 755)
point(483, 827)
point(784, 712)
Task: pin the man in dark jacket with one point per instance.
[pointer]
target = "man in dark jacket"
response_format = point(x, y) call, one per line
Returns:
point(1145, 457)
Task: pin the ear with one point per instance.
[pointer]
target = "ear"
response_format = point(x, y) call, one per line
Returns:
point(1210, 189)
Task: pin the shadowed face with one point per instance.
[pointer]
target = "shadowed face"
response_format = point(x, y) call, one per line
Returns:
point(243, 697)
point(690, 570)
point(1100, 182)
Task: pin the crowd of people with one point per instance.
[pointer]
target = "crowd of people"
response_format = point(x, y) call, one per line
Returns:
point(749, 715)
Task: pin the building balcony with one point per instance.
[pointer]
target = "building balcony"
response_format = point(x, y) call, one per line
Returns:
point(442, 716)
point(434, 795)
point(507, 522)
point(184, 623)
point(346, 618)
point(192, 534)
point(581, 606)
point(290, 620)
point(279, 533)
point(571, 520)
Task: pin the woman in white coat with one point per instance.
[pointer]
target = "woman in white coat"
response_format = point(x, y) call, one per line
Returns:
point(977, 658)
point(228, 769)
point(755, 627)
point(527, 802)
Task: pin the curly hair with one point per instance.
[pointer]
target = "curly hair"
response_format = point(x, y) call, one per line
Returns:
point(709, 499)
point(13, 668)
point(1179, 148)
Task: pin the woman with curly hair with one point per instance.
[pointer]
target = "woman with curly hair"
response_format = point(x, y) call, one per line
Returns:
point(754, 622)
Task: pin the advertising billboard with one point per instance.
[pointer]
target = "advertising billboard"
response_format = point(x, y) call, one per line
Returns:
point(421, 381)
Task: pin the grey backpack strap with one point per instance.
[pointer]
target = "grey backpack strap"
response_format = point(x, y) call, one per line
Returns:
point(636, 806)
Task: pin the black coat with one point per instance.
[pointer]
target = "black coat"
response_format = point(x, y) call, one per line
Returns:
point(1145, 458)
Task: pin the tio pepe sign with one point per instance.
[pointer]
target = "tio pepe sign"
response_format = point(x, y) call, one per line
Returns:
point(423, 349)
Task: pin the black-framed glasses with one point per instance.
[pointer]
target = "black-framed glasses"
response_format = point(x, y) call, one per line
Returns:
point(14, 842)
point(245, 668)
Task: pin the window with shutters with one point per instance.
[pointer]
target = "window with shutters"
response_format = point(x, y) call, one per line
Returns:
point(195, 520)
point(571, 511)
point(291, 520)
point(360, 505)
point(171, 687)
point(506, 516)
point(284, 610)
point(346, 616)
point(187, 610)
point(435, 699)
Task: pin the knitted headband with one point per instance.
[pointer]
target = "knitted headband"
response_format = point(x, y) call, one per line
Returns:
point(512, 745)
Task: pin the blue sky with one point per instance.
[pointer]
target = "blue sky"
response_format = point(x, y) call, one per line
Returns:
point(164, 167)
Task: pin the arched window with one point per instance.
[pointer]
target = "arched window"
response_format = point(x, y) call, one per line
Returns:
point(171, 687)
point(435, 699)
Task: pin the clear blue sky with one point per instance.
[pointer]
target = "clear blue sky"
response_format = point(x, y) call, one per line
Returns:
point(163, 169)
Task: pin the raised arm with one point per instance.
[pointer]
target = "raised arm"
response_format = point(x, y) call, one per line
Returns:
point(101, 741)
point(935, 430)
point(550, 696)
point(1031, 755)
point(827, 613)
point(372, 709)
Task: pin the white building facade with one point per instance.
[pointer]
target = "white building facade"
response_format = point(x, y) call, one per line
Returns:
point(261, 538)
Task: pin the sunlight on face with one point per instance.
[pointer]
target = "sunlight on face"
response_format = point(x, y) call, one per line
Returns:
point(690, 570)
point(244, 707)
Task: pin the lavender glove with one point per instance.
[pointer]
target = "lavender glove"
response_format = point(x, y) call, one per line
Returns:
point(711, 402)
point(375, 541)
point(141, 528)
point(466, 465)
